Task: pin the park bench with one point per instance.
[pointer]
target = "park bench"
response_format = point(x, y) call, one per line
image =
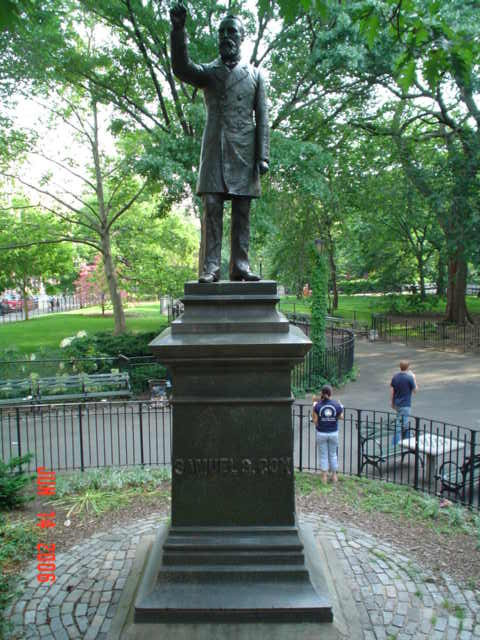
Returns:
point(455, 478)
point(63, 388)
point(376, 445)
point(17, 391)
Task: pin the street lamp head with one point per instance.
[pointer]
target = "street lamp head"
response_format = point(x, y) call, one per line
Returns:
point(319, 246)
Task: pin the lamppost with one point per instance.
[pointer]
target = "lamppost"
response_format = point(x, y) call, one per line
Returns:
point(319, 297)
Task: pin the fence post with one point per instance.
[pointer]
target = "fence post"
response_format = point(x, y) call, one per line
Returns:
point(300, 440)
point(417, 454)
point(406, 331)
point(141, 434)
point(424, 333)
point(472, 465)
point(19, 442)
point(80, 427)
point(359, 449)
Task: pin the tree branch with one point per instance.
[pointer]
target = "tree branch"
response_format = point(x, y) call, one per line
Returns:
point(126, 206)
point(148, 62)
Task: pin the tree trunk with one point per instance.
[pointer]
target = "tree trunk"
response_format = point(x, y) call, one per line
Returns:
point(457, 311)
point(111, 276)
point(440, 275)
point(421, 275)
point(24, 299)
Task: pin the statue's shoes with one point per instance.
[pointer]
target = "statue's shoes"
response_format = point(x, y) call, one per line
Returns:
point(248, 276)
point(208, 277)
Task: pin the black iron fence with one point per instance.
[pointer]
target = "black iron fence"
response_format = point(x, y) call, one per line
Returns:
point(12, 309)
point(331, 365)
point(426, 333)
point(429, 455)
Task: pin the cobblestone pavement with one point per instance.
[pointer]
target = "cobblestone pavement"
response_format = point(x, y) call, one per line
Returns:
point(396, 599)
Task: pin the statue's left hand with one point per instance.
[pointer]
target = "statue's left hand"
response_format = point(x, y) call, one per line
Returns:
point(263, 167)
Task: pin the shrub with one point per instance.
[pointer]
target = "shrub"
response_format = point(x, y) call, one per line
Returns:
point(106, 344)
point(110, 479)
point(410, 304)
point(13, 481)
point(361, 285)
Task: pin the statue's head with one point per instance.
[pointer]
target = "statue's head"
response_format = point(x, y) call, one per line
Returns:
point(230, 38)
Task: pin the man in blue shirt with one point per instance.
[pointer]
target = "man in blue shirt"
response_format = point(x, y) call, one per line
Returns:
point(402, 386)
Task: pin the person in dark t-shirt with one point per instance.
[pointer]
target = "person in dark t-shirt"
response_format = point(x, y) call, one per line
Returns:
point(326, 413)
point(402, 386)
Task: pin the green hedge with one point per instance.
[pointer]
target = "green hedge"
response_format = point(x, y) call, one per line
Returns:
point(361, 285)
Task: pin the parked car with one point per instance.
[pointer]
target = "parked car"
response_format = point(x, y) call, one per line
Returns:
point(4, 308)
point(14, 302)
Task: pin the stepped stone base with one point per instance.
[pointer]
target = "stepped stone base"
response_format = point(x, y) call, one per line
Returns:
point(237, 574)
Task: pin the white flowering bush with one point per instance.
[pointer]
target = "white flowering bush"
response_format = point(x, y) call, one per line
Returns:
point(66, 342)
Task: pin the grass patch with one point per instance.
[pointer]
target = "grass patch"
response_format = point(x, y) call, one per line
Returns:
point(307, 483)
point(49, 330)
point(400, 501)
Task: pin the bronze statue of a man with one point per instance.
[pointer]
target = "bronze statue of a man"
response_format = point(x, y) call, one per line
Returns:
point(235, 149)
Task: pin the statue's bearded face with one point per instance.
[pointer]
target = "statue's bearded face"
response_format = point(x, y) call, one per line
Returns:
point(230, 37)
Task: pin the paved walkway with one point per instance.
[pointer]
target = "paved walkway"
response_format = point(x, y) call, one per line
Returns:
point(395, 598)
point(449, 383)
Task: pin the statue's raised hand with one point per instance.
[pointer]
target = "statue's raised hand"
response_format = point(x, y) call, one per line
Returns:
point(178, 15)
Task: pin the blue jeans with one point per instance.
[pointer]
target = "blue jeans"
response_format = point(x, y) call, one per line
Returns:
point(401, 424)
point(327, 447)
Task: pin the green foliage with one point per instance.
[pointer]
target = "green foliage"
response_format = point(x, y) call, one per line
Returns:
point(104, 490)
point(21, 260)
point(160, 260)
point(105, 343)
point(94, 502)
point(13, 481)
point(362, 285)
point(411, 304)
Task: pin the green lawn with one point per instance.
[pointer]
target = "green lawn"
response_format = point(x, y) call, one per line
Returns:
point(49, 331)
point(361, 307)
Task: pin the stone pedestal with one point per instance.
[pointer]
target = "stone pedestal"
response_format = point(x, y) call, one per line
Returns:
point(233, 551)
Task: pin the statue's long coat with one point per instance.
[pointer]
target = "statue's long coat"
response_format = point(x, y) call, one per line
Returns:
point(232, 144)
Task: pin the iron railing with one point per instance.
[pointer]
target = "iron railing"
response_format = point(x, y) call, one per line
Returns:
point(331, 365)
point(13, 310)
point(426, 333)
point(434, 457)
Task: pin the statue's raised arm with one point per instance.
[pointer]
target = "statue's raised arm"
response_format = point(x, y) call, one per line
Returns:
point(182, 66)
